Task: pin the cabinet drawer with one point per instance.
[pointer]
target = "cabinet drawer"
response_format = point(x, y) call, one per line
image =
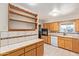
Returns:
point(30, 47)
point(40, 43)
point(68, 44)
point(22, 55)
point(16, 53)
point(31, 53)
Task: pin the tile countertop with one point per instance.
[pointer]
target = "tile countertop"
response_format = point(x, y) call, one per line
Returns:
point(18, 45)
point(61, 35)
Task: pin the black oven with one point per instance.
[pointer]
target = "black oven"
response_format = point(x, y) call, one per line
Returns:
point(45, 32)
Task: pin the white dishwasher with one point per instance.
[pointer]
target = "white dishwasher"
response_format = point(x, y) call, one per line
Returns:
point(54, 41)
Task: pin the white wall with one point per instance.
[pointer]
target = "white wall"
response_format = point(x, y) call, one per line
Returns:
point(3, 17)
point(5, 33)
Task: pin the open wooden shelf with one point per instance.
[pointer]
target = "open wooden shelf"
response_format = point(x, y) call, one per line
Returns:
point(22, 21)
point(16, 14)
point(17, 8)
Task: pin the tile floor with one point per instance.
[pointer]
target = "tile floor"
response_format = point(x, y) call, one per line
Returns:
point(50, 50)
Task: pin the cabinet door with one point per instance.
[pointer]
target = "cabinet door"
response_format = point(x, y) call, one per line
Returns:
point(49, 40)
point(75, 45)
point(51, 27)
point(68, 43)
point(31, 53)
point(61, 42)
point(56, 27)
point(77, 25)
point(16, 53)
point(22, 55)
point(40, 50)
point(45, 38)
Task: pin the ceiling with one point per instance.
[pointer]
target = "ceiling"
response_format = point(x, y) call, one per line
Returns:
point(43, 9)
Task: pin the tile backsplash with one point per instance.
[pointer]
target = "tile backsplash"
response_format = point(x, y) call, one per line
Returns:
point(9, 41)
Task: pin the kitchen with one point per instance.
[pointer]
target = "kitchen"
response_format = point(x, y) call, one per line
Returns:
point(39, 30)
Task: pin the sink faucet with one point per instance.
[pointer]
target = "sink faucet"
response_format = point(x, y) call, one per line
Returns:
point(64, 33)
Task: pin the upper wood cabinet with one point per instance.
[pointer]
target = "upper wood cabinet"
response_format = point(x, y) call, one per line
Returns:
point(54, 27)
point(21, 19)
point(77, 25)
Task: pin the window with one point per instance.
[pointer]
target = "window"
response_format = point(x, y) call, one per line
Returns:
point(67, 28)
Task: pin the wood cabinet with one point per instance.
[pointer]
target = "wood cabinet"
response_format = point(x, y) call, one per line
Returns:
point(40, 50)
point(68, 43)
point(75, 44)
point(52, 26)
point(56, 27)
point(35, 49)
point(61, 42)
point(47, 39)
point(31, 53)
point(77, 25)
point(22, 55)
point(65, 43)
point(16, 52)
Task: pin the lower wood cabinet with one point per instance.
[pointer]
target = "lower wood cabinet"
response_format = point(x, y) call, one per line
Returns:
point(65, 43)
point(22, 55)
point(75, 44)
point(15, 53)
point(61, 42)
point(68, 43)
point(47, 39)
point(31, 53)
point(40, 50)
point(36, 49)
